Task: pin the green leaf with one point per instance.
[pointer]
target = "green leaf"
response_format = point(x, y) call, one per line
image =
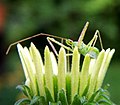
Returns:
point(83, 100)
point(102, 97)
point(76, 100)
point(25, 89)
point(62, 97)
point(24, 101)
point(86, 89)
point(35, 100)
point(68, 87)
point(42, 101)
point(58, 103)
point(93, 96)
point(55, 83)
point(48, 95)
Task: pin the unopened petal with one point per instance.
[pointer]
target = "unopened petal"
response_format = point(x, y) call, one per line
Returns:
point(37, 60)
point(61, 69)
point(54, 63)
point(84, 74)
point(94, 75)
point(29, 67)
point(48, 71)
point(104, 68)
point(75, 73)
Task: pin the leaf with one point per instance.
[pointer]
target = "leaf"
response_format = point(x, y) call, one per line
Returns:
point(58, 103)
point(48, 95)
point(55, 84)
point(25, 89)
point(35, 100)
point(76, 100)
point(86, 90)
point(62, 97)
point(93, 96)
point(68, 87)
point(103, 97)
point(23, 101)
point(43, 101)
point(104, 102)
point(83, 100)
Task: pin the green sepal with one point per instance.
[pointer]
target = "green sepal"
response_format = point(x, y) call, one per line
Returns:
point(76, 100)
point(80, 100)
point(24, 101)
point(103, 97)
point(86, 90)
point(42, 101)
point(38, 100)
point(52, 103)
point(35, 100)
point(26, 90)
point(68, 87)
point(55, 83)
point(48, 95)
point(83, 100)
point(92, 98)
point(62, 97)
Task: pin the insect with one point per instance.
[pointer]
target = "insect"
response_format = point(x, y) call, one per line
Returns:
point(82, 47)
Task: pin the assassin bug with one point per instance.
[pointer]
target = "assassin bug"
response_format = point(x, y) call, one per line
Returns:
point(82, 47)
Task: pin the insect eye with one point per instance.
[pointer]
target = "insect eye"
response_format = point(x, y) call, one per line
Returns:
point(69, 42)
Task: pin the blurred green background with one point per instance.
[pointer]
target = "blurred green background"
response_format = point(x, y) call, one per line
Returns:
point(65, 18)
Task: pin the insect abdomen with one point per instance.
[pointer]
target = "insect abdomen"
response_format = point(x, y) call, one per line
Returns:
point(93, 52)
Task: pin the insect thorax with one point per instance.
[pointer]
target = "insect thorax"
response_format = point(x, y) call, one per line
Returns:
point(84, 49)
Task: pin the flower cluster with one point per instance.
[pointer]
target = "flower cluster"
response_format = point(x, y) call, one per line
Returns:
point(49, 82)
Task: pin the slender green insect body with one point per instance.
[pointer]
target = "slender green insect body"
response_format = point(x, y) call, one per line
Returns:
point(82, 47)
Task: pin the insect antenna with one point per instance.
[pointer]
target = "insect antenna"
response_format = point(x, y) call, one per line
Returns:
point(82, 34)
point(41, 34)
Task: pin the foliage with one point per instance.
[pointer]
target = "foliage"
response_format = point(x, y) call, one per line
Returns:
point(100, 97)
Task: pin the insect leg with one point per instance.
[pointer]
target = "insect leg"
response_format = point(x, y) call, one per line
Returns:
point(60, 44)
point(97, 33)
point(100, 39)
point(52, 46)
point(25, 39)
point(93, 40)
